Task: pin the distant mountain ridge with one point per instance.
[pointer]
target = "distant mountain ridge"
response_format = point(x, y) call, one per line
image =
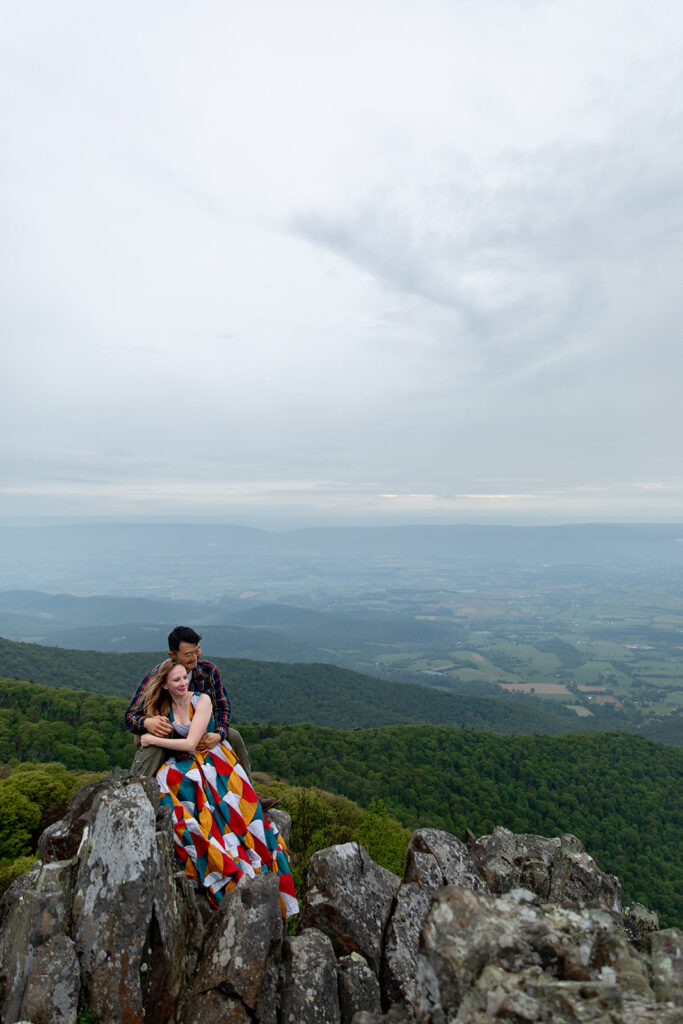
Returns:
point(138, 556)
point(231, 628)
point(96, 608)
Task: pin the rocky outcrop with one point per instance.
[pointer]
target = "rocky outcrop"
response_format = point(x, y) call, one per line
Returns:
point(116, 924)
point(349, 898)
point(509, 928)
point(435, 859)
point(484, 957)
point(557, 870)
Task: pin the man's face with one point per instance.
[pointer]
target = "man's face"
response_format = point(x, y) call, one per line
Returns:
point(187, 655)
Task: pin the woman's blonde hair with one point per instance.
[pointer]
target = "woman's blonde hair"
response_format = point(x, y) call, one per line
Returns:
point(154, 700)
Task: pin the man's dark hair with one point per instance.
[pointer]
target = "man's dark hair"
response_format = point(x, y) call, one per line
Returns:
point(182, 635)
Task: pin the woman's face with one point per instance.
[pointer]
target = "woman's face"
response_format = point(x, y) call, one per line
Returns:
point(176, 682)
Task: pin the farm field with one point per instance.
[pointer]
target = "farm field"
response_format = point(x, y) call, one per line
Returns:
point(616, 641)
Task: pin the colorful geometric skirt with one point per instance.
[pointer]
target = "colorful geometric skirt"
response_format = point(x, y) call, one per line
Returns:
point(220, 831)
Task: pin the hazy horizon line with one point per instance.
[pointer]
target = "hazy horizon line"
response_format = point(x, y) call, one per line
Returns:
point(270, 525)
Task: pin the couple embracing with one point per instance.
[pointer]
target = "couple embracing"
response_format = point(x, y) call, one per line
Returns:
point(181, 714)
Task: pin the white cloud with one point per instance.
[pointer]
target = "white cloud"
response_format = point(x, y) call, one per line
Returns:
point(338, 251)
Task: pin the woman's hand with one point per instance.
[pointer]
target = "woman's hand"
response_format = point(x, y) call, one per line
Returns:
point(146, 740)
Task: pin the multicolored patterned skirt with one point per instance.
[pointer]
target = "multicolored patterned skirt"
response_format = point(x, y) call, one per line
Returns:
point(220, 831)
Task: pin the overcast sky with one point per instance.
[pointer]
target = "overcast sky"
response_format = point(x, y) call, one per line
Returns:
point(342, 262)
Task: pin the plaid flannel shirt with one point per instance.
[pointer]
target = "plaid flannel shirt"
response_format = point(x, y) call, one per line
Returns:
point(205, 679)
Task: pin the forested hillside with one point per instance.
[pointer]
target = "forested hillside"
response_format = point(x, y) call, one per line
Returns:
point(81, 730)
point(665, 730)
point(266, 691)
point(621, 794)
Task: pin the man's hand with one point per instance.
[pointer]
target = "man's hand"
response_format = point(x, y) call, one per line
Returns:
point(209, 740)
point(158, 725)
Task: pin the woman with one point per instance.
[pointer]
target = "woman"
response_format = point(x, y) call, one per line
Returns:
point(220, 831)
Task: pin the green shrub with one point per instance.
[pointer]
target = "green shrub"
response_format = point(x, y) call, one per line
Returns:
point(321, 819)
point(12, 870)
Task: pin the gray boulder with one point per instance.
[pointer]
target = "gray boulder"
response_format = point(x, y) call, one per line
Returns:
point(282, 821)
point(51, 996)
point(349, 899)
point(358, 987)
point(309, 980)
point(243, 949)
point(39, 974)
point(128, 925)
point(115, 927)
point(435, 859)
point(399, 965)
point(556, 869)
point(664, 957)
point(486, 958)
point(639, 921)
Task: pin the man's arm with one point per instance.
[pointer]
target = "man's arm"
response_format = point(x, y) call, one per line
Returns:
point(220, 702)
point(134, 717)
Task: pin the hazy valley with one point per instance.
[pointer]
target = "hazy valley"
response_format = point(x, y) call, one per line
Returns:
point(588, 618)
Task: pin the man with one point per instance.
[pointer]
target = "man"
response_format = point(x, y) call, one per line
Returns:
point(183, 647)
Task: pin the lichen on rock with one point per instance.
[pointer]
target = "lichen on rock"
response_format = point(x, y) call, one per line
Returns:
point(506, 928)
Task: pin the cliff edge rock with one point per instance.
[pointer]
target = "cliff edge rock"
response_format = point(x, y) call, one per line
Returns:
point(509, 928)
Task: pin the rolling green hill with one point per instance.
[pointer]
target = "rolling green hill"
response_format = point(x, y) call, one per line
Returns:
point(266, 691)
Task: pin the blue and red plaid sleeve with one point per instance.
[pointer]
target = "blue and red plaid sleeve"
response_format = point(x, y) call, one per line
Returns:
point(134, 717)
point(219, 699)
